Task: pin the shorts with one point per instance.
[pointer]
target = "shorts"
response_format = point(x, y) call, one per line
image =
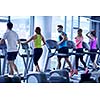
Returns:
point(63, 50)
point(11, 56)
point(92, 56)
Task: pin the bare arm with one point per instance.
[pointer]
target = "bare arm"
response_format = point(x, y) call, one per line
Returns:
point(89, 36)
point(2, 41)
point(32, 38)
point(80, 40)
point(18, 41)
point(78, 43)
point(64, 38)
point(43, 40)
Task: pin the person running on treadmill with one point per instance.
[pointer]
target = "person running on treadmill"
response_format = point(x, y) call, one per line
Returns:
point(38, 39)
point(93, 47)
point(63, 48)
point(12, 40)
point(79, 49)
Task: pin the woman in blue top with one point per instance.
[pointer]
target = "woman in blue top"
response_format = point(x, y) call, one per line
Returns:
point(63, 48)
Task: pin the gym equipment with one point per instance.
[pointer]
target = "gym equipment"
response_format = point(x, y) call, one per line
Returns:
point(28, 62)
point(57, 79)
point(95, 75)
point(85, 48)
point(88, 60)
point(70, 45)
point(30, 77)
point(60, 76)
point(98, 60)
point(15, 79)
point(3, 55)
point(36, 77)
point(5, 79)
point(10, 79)
point(85, 45)
point(86, 78)
point(99, 79)
point(51, 44)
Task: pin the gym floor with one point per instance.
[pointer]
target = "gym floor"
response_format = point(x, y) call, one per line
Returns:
point(76, 78)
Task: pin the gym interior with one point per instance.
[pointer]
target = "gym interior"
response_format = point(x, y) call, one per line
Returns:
point(25, 26)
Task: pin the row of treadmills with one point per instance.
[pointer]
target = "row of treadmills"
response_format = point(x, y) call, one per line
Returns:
point(48, 76)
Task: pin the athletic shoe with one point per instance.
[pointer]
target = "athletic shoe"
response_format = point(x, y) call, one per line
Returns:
point(71, 73)
point(86, 70)
point(97, 68)
point(76, 72)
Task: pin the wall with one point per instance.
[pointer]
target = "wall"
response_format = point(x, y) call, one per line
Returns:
point(45, 22)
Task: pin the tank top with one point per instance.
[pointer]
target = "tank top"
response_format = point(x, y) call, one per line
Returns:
point(80, 44)
point(37, 41)
point(64, 43)
point(93, 44)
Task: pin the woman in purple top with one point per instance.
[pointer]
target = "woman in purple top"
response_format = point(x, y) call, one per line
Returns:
point(93, 47)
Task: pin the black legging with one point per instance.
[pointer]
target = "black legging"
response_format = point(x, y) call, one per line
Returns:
point(93, 56)
point(80, 50)
point(37, 55)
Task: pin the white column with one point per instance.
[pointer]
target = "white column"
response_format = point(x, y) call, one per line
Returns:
point(45, 22)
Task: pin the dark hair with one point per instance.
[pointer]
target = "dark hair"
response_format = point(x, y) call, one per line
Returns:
point(38, 30)
point(93, 33)
point(60, 26)
point(9, 25)
point(80, 31)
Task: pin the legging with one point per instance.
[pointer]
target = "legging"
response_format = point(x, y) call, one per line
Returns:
point(92, 56)
point(77, 57)
point(37, 55)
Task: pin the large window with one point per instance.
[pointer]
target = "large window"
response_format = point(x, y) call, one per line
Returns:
point(75, 25)
point(68, 27)
point(21, 25)
point(85, 25)
point(56, 20)
point(75, 21)
point(3, 25)
point(72, 24)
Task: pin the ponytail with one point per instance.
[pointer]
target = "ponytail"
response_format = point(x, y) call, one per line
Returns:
point(38, 30)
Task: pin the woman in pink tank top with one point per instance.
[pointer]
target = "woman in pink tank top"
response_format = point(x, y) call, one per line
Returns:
point(79, 49)
point(93, 47)
point(79, 42)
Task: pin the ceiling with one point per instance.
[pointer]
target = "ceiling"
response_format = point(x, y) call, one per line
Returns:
point(93, 17)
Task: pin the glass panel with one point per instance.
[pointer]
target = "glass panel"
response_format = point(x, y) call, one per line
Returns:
point(3, 27)
point(21, 25)
point(4, 18)
point(85, 25)
point(74, 34)
point(68, 27)
point(56, 20)
point(75, 21)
